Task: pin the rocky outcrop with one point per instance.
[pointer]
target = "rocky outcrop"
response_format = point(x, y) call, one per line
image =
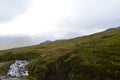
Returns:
point(18, 68)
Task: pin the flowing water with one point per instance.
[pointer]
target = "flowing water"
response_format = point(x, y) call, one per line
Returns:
point(16, 70)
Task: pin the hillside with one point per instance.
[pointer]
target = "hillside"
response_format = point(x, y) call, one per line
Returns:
point(93, 57)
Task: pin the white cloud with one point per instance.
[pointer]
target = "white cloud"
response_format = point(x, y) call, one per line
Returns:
point(41, 18)
point(57, 18)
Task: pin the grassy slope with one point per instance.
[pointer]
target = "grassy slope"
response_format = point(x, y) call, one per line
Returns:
point(94, 57)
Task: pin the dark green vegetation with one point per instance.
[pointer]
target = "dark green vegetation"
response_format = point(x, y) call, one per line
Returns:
point(94, 57)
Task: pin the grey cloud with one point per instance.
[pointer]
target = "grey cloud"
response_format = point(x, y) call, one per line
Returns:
point(9, 9)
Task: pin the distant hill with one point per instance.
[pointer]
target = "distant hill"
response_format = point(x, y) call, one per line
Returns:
point(93, 57)
point(46, 42)
point(110, 29)
point(7, 42)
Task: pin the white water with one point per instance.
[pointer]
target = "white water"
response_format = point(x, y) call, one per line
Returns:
point(18, 68)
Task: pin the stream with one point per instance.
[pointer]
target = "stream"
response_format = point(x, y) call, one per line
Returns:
point(16, 70)
point(8, 78)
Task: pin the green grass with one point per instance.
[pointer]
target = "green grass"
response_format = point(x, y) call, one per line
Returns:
point(93, 57)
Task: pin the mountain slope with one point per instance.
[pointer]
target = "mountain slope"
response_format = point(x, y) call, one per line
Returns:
point(93, 57)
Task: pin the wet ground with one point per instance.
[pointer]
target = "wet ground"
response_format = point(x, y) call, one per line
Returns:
point(8, 78)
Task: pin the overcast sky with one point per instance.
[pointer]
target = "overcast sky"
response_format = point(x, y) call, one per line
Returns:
point(55, 19)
